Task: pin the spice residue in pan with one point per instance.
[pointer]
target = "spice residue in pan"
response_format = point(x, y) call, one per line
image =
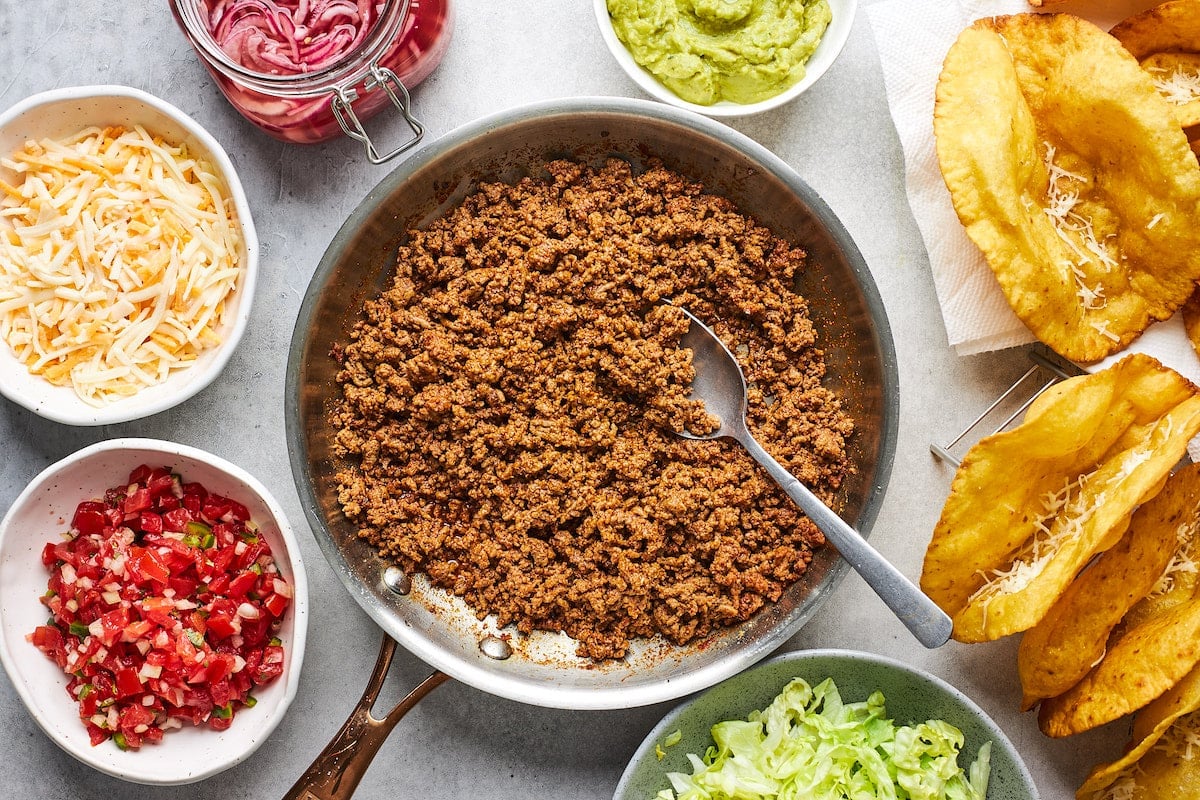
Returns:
point(507, 409)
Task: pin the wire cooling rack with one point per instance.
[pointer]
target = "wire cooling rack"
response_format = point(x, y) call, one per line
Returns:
point(1045, 370)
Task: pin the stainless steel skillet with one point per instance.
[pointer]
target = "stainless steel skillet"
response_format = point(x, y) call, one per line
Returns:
point(853, 329)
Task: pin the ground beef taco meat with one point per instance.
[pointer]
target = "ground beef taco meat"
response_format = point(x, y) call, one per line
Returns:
point(508, 404)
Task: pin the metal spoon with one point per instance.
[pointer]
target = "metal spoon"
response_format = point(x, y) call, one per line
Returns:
point(719, 383)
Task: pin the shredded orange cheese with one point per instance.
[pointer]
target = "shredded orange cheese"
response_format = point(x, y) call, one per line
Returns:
point(118, 253)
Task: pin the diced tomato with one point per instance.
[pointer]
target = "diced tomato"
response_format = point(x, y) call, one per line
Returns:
point(276, 604)
point(148, 565)
point(176, 519)
point(221, 626)
point(192, 502)
point(250, 552)
point(150, 522)
point(243, 583)
point(158, 610)
point(114, 514)
point(127, 682)
point(63, 552)
point(89, 701)
point(183, 587)
point(132, 716)
point(141, 474)
point(95, 734)
point(112, 625)
point(160, 485)
point(256, 632)
point(223, 559)
point(49, 640)
point(219, 584)
point(271, 666)
point(215, 508)
point(220, 665)
point(136, 630)
point(137, 502)
point(220, 723)
point(89, 518)
point(220, 691)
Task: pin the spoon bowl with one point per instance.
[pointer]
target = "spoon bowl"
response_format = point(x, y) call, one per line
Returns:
point(721, 386)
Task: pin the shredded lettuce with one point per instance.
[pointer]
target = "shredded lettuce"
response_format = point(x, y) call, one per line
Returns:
point(809, 745)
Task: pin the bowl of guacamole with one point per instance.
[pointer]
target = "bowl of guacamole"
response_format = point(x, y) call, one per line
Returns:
point(725, 57)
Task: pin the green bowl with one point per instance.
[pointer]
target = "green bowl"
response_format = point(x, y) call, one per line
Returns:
point(911, 695)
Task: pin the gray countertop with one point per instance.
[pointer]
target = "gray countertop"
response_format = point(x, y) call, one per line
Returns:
point(460, 741)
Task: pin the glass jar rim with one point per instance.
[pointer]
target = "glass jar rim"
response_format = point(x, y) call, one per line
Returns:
point(345, 71)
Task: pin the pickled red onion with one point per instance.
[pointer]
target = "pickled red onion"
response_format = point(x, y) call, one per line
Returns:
point(286, 37)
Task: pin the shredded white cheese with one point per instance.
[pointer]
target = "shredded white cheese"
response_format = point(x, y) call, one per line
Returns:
point(1180, 86)
point(1062, 517)
point(1183, 560)
point(1091, 299)
point(1122, 788)
point(121, 256)
point(1074, 229)
point(1182, 739)
point(1101, 328)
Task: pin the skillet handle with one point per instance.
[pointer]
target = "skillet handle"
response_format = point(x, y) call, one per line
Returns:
point(335, 773)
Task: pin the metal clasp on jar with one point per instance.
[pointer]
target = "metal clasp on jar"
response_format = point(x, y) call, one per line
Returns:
point(381, 78)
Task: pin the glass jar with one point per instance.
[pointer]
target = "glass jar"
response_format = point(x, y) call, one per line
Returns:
point(406, 42)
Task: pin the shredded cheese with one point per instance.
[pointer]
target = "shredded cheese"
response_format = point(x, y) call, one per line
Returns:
point(1074, 229)
point(1101, 328)
point(118, 253)
point(1183, 560)
point(1062, 517)
point(1091, 299)
point(1179, 86)
point(1182, 739)
point(1123, 788)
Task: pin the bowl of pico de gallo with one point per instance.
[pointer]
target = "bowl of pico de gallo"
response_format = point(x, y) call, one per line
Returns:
point(153, 609)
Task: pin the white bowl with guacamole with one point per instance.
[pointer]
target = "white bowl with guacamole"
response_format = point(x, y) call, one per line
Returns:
point(725, 58)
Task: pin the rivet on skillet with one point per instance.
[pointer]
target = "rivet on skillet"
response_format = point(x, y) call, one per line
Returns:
point(397, 580)
point(495, 647)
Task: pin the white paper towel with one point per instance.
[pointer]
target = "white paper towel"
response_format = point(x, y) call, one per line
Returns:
point(912, 37)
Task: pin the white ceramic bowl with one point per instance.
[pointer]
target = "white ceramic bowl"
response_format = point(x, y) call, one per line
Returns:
point(910, 695)
point(827, 51)
point(63, 112)
point(40, 514)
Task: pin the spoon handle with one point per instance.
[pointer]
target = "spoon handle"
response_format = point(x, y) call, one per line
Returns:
point(920, 615)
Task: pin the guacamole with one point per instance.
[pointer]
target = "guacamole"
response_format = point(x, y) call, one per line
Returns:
point(704, 51)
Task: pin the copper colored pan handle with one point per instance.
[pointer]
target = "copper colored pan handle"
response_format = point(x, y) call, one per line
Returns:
point(335, 773)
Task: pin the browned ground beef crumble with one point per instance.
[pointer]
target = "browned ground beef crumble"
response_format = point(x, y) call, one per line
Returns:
point(508, 405)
